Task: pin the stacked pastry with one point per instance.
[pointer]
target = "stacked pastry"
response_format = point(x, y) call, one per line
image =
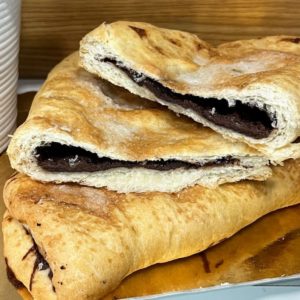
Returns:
point(110, 182)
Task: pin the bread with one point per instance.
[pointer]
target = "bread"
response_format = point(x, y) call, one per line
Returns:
point(245, 90)
point(130, 144)
point(87, 240)
point(247, 256)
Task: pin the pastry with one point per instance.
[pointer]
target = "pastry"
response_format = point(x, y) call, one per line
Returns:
point(83, 129)
point(73, 242)
point(245, 90)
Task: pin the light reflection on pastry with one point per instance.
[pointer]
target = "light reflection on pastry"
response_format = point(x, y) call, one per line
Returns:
point(84, 130)
point(85, 241)
point(245, 90)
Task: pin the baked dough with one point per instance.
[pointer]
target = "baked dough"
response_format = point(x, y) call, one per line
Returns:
point(93, 238)
point(247, 256)
point(74, 108)
point(259, 79)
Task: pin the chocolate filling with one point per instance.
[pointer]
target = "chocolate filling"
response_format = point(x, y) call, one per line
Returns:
point(55, 157)
point(39, 264)
point(296, 141)
point(245, 119)
point(12, 277)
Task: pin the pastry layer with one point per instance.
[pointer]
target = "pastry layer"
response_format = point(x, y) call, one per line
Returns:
point(240, 117)
point(62, 158)
point(85, 130)
point(245, 90)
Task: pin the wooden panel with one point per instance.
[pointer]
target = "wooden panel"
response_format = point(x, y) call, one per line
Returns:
point(52, 28)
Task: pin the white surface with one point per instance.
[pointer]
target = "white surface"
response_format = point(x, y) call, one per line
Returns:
point(29, 85)
point(244, 293)
point(9, 48)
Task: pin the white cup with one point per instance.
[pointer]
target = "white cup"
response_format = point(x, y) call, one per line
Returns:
point(9, 49)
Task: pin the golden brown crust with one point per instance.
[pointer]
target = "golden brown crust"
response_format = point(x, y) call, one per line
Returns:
point(34, 278)
point(101, 236)
point(25, 294)
point(75, 108)
point(247, 256)
point(263, 73)
point(281, 43)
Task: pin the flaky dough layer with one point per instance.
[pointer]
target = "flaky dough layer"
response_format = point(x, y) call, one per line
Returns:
point(75, 108)
point(263, 73)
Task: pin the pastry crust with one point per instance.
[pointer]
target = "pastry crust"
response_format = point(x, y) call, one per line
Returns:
point(75, 108)
point(93, 238)
point(262, 73)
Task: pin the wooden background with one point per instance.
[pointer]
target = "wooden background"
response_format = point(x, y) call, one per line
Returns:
point(52, 28)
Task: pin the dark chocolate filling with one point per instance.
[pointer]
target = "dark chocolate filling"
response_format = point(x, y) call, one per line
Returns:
point(12, 277)
point(40, 262)
point(55, 157)
point(297, 140)
point(245, 119)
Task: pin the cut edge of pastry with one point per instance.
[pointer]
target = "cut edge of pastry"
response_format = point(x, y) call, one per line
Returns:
point(22, 154)
point(95, 47)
